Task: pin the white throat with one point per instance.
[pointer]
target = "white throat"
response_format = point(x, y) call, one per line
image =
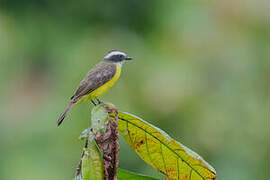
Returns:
point(121, 63)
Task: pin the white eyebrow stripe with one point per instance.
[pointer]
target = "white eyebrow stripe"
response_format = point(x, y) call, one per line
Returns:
point(114, 53)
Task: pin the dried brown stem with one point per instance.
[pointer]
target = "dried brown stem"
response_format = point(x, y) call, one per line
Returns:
point(109, 145)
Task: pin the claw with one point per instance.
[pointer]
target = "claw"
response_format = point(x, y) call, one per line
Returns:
point(99, 101)
point(93, 102)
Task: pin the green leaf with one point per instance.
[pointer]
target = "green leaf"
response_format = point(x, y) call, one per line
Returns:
point(99, 119)
point(92, 164)
point(127, 175)
point(162, 152)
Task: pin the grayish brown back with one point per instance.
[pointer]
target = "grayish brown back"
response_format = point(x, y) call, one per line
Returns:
point(96, 77)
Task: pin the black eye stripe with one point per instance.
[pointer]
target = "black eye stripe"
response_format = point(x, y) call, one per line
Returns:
point(118, 56)
point(115, 57)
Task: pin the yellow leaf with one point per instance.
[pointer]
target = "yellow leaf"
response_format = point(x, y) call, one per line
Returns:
point(162, 152)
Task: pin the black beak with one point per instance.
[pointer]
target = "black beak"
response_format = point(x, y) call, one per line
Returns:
point(128, 58)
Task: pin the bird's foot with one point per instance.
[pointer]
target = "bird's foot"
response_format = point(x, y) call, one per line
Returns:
point(93, 102)
point(99, 101)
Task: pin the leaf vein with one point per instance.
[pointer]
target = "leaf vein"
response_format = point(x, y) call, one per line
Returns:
point(165, 146)
point(190, 174)
point(147, 147)
point(129, 133)
point(178, 173)
point(164, 163)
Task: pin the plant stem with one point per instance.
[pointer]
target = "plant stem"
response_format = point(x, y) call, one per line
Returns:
point(79, 166)
point(109, 145)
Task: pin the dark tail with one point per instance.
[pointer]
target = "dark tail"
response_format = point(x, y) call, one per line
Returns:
point(63, 115)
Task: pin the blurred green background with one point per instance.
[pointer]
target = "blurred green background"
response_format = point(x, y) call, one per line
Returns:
point(200, 72)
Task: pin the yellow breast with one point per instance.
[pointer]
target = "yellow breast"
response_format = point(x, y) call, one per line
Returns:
point(102, 89)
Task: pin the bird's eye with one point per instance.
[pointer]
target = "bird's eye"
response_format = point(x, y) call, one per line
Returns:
point(121, 56)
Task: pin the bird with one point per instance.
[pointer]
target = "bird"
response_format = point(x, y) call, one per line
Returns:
point(98, 80)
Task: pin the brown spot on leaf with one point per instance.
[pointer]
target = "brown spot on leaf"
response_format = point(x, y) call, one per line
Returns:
point(139, 144)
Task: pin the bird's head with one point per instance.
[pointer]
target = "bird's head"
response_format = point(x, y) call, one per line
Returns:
point(117, 57)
